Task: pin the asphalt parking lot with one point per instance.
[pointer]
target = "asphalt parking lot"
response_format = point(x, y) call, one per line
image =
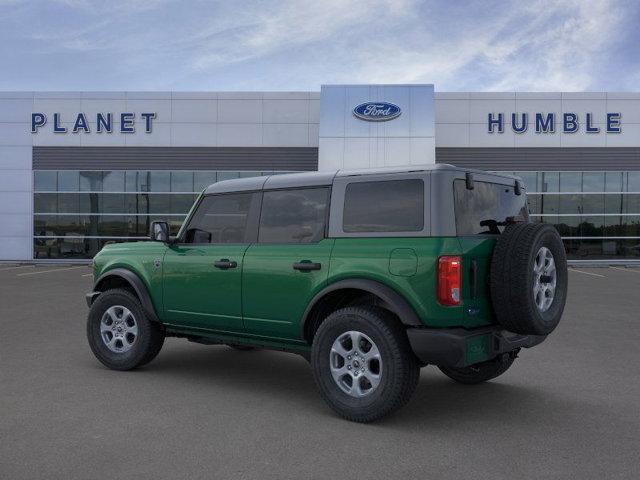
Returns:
point(569, 408)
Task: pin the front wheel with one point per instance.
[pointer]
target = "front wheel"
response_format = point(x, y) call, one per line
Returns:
point(363, 364)
point(120, 334)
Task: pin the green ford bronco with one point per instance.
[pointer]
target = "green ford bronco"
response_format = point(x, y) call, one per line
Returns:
point(370, 275)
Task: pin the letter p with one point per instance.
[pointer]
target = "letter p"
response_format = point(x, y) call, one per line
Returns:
point(37, 121)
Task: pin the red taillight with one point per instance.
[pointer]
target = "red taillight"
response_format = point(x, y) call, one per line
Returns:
point(449, 280)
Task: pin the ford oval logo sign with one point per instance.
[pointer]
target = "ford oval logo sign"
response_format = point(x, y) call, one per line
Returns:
point(377, 111)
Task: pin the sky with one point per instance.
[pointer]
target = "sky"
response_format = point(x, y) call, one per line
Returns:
point(532, 45)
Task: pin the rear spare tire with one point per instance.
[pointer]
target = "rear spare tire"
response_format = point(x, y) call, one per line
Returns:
point(528, 278)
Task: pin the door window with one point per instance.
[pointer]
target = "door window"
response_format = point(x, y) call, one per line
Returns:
point(222, 219)
point(293, 216)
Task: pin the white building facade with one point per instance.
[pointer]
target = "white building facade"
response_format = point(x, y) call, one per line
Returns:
point(78, 169)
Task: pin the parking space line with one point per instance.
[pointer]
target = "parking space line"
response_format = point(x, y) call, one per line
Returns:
point(14, 268)
point(88, 275)
point(587, 273)
point(49, 271)
point(632, 270)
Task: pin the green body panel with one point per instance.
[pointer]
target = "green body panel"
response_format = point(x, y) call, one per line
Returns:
point(274, 295)
point(140, 258)
point(389, 261)
point(196, 293)
point(264, 298)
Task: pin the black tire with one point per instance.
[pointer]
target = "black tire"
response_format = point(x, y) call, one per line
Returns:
point(147, 344)
point(241, 348)
point(512, 278)
point(398, 374)
point(480, 372)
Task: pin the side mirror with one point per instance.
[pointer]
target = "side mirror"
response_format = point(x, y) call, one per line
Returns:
point(160, 231)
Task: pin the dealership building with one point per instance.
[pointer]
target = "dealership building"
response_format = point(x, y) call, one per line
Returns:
point(79, 169)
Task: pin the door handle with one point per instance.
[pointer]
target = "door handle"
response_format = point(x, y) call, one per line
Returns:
point(225, 263)
point(306, 265)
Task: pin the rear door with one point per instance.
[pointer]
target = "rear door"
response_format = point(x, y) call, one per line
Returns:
point(289, 263)
point(203, 270)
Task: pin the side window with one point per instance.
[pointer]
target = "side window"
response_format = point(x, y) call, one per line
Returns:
point(221, 219)
point(293, 216)
point(384, 206)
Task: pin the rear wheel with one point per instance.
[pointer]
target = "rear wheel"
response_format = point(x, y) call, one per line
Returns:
point(480, 372)
point(363, 364)
point(120, 334)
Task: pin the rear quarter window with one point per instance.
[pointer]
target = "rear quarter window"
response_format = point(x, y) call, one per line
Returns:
point(485, 209)
point(384, 206)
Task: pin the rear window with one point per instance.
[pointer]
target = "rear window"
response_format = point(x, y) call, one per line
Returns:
point(384, 206)
point(485, 209)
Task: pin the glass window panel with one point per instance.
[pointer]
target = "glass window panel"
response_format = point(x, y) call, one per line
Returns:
point(249, 174)
point(530, 180)
point(136, 203)
point(45, 225)
point(583, 249)
point(613, 203)
point(294, 216)
point(592, 203)
point(613, 182)
point(112, 225)
point(633, 181)
point(592, 181)
point(181, 203)
point(68, 202)
point(91, 181)
point(45, 203)
point(571, 181)
point(113, 181)
point(182, 181)
point(45, 180)
point(486, 208)
point(134, 181)
point(550, 182)
point(228, 175)
point(591, 226)
point(68, 181)
point(626, 248)
point(390, 206)
point(550, 203)
point(159, 203)
point(90, 203)
point(566, 226)
point(534, 203)
point(570, 203)
point(112, 203)
point(202, 180)
point(631, 203)
point(159, 182)
point(613, 226)
point(221, 219)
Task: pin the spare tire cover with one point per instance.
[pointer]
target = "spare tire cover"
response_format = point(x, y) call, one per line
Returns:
point(528, 278)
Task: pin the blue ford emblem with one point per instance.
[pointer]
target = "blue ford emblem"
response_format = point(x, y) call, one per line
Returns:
point(377, 111)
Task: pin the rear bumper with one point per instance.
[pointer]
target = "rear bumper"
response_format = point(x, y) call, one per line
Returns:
point(458, 347)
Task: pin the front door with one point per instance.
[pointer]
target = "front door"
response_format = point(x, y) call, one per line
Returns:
point(288, 264)
point(203, 270)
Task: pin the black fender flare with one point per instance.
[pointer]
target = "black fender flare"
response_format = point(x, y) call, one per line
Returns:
point(396, 303)
point(136, 283)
